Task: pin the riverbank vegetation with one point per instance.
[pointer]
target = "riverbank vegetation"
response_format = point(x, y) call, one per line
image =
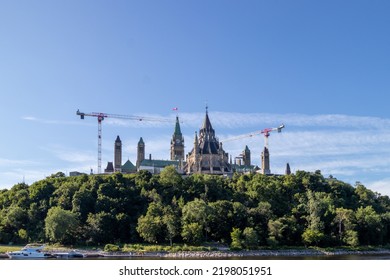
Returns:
point(246, 212)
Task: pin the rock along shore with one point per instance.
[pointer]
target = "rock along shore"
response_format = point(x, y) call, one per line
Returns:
point(270, 253)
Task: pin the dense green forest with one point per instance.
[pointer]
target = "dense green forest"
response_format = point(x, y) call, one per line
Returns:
point(246, 211)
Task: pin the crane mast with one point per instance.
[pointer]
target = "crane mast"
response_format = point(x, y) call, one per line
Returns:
point(267, 131)
point(101, 116)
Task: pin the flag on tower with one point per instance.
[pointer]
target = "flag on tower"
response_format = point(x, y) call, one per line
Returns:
point(175, 109)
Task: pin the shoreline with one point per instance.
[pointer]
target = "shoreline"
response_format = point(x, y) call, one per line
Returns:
point(243, 254)
point(223, 254)
point(272, 253)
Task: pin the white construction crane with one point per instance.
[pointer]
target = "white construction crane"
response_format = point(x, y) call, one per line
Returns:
point(101, 116)
point(265, 131)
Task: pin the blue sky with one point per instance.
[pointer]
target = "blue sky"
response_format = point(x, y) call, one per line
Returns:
point(320, 67)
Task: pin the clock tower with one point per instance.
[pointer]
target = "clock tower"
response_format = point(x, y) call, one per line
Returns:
point(140, 152)
point(118, 155)
point(177, 143)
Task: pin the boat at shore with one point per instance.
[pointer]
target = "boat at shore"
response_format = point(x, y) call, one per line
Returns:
point(30, 251)
point(74, 254)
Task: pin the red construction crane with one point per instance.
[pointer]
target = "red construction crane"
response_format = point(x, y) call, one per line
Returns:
point(101, 116)
point(265, 131)
point(265, 155)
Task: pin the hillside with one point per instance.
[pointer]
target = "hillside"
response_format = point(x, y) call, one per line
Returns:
point(246, 211)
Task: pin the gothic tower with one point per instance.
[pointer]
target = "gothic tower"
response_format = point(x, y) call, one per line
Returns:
point(288, 169)
point(208, 155)
point(118, 155)
point(140, 152)
point(246, 156)
point(265, 161)
point(195, 167)
point(177, 143)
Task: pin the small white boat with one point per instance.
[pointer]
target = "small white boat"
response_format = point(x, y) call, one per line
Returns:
point(29, 252)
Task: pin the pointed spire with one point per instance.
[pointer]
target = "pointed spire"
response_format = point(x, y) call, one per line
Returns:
point(207, 124)
point(141, 141)
point(177, 127)
point(118, 139)
point(196, 139)
point(288, 169)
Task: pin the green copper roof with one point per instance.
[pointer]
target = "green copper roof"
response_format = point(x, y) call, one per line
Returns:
point(158, 163)
point(128, 166)
point(243, 168)
point(177, 127)
point(141, 141)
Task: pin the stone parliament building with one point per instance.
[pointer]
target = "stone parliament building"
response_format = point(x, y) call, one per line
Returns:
point(206, 156)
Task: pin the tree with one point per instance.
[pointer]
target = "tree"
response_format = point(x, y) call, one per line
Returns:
point(172, 223)
point(169, 177)
point(236, 236)
point(125, 228)
point(101, 228)
point(60, 224)
point(251, 239)
point(41, 190)
point(16, 217)
point(369, 226)
point(258, 218)
point(284, 231)
point(196, 212)
point(275, 229)
point(63, 195)
point(193, 233)
point(344, 221)
point(13, 220)
point(351, 238)
point(312, 236)
point(83, 203)
point(151, 225)
point(366, 197)
point(320, 213)
point(221, 220)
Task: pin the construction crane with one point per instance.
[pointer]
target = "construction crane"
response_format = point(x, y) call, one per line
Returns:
point(265, 165)
point(101, 116)
point(266, 132)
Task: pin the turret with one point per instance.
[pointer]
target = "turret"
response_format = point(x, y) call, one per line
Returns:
point(140, 152)
point(246, 156)
point(288, 169)
point(118, 155)
point(265, 162)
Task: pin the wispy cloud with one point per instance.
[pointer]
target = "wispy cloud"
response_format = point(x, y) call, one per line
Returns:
point(52, 121)
point(232, 120)
point(70, 155)
point(11, 162)
point(30, 118)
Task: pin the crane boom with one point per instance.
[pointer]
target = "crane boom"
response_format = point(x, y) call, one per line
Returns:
point(265, 131)
point(265, 166)
point(101, 116)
